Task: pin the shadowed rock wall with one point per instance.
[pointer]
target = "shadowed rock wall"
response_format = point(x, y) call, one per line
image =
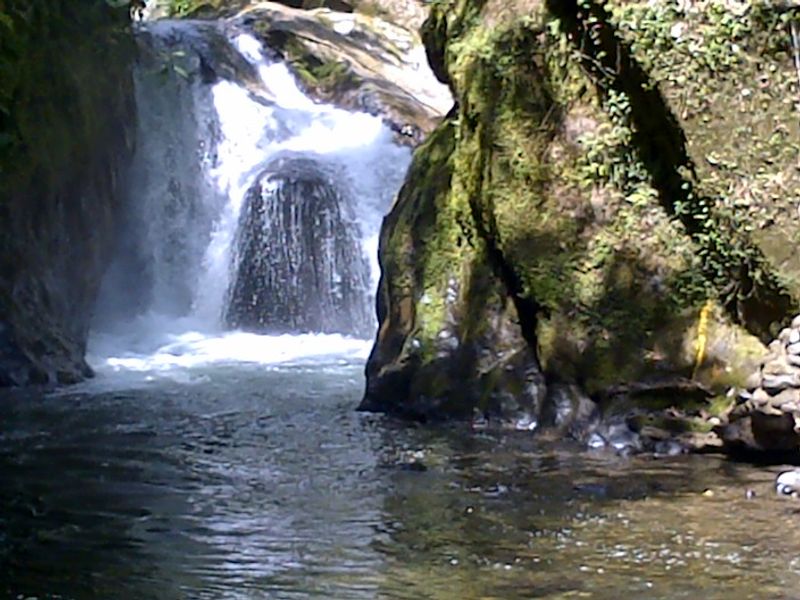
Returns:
point(66, 123)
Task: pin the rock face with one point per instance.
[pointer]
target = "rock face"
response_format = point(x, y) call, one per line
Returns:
point(373, 62)
point(299, 261)
point(595, 210)
point(66, 131)
point(767, 414)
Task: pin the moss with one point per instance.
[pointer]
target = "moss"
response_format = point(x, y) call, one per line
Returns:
point(586, 180)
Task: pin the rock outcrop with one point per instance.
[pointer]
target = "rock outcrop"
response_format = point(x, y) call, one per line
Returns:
point(357, 61)
point(299, 265)
point(604, 207)
point(66, 130)
point(365, 56)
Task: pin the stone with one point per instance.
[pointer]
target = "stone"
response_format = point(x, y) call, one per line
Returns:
point(787, 401)
point(776, 347)
point(622, 439)
point(776, 383)
point(595, 441)
point(783, 336)
point(793, 349)
point(794, 336)
point(567, 406)
point(669, 448)
point(776, 366)
point(754, 381)
point(774, 432)
point(760, 396)
point(793, 360)
point(788, 483)
point(384, 62)
point(796, 322)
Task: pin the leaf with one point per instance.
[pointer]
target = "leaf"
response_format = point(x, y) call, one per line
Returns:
point(181, 71)
point(7, 21)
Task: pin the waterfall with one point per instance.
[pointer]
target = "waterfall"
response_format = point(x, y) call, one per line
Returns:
point(250, 207)
point(298, 262)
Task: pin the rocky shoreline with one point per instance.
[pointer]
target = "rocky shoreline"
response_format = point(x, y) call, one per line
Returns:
point(766, 416)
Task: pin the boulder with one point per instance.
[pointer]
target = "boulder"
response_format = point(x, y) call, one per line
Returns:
point(299, 263)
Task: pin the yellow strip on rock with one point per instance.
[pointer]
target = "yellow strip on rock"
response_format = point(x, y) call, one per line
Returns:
point(702, 336)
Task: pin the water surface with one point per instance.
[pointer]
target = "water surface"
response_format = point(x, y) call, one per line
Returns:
point(254, 481)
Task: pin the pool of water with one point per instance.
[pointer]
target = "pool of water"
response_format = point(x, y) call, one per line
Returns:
point(246, 481)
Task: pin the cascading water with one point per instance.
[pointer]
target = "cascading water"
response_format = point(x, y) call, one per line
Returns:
point(251, 207)
point(298, 263)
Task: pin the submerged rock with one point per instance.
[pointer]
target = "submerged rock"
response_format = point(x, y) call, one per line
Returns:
point(299, 264)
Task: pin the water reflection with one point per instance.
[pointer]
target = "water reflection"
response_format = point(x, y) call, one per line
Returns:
point(268, 485)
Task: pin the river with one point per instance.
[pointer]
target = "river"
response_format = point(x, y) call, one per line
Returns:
point(249, 481)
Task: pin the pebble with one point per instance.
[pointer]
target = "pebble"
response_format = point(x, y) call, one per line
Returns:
point(794, 336)
point(788, 483)
point(796, 322)
point(750, 494)
point(754, 381)
point(793, 349)
point(596, 441)
point(777, 383)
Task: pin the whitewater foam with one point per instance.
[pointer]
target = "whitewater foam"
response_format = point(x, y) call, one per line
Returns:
point(236, 129)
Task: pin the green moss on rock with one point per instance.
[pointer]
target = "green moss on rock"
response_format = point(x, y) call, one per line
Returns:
point(587, 185)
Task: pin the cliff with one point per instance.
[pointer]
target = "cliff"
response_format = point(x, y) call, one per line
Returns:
point(608, 210)
point(66, 108)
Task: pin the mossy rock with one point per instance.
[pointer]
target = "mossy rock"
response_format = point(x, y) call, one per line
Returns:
point(588, 195)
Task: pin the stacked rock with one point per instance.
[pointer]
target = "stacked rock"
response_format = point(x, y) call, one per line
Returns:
point(770, 405)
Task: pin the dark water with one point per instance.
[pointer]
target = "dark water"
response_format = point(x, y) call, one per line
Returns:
point(263, 483)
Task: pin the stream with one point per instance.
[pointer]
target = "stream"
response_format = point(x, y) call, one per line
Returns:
point(264, 482)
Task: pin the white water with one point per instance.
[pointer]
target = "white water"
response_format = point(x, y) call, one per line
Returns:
point(201, 147)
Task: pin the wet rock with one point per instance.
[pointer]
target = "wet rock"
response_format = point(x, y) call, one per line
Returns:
point(595, 441)
point(669, 448)
point(617, 436)
point(299, 263)
point(65, 143)
point(569, 410)
point(356, 61)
